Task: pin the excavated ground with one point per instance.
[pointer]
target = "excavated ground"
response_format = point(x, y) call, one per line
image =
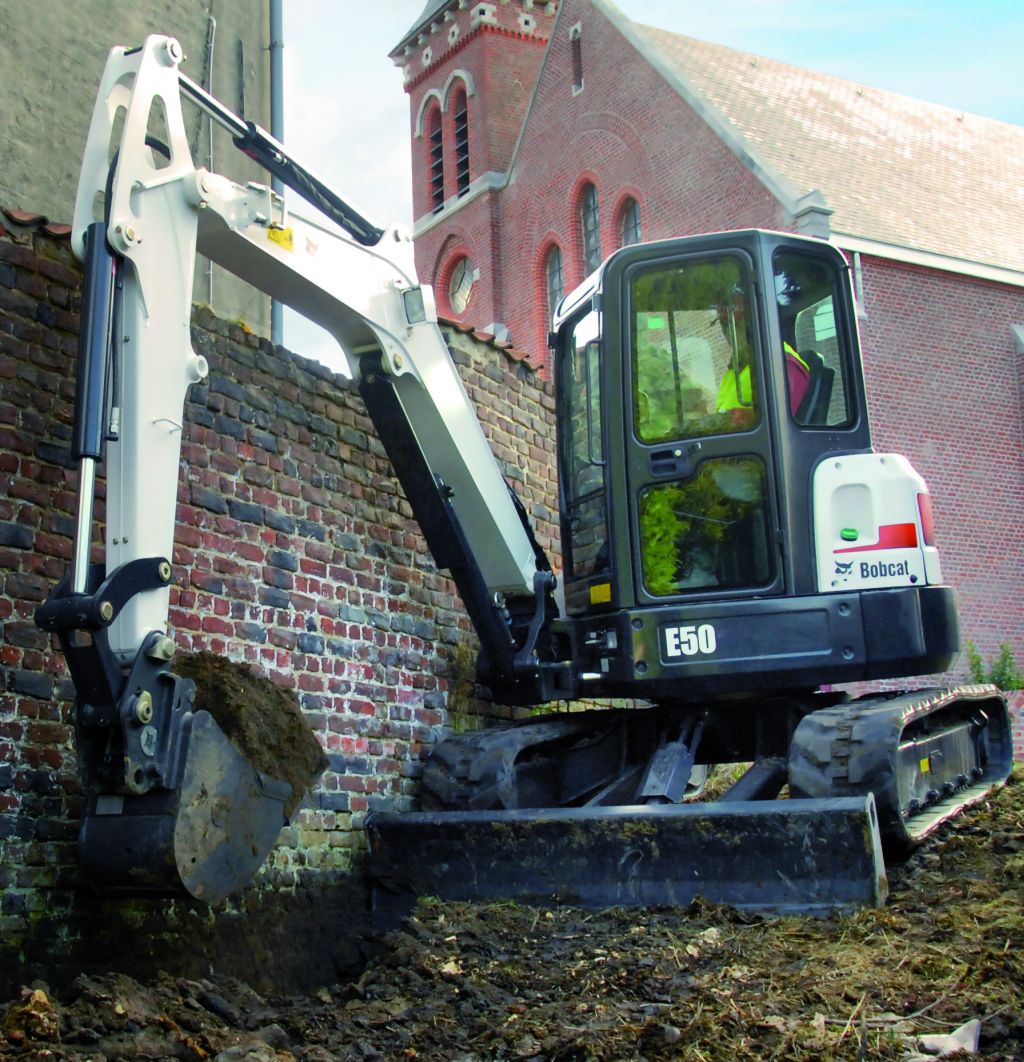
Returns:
point(466, 982)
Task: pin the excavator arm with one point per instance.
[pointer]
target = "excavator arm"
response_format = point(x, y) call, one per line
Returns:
point(159, 211)
point(143, 212)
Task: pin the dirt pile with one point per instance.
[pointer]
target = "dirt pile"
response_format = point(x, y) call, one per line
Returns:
point(473, 982)
point(261, 719)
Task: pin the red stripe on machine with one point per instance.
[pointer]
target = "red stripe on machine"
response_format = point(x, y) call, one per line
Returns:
point(890, 536)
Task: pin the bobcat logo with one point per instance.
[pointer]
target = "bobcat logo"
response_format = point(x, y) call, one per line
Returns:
point(844, 568)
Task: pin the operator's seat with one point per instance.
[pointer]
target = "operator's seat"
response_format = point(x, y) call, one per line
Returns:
point(810, 387)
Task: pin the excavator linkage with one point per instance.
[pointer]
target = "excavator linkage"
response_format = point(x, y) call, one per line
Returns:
point(171, 806)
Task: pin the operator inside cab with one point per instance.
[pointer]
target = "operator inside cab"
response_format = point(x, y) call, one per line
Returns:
point(735, 393)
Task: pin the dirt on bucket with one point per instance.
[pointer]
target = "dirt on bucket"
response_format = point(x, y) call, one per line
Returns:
point(261, 719)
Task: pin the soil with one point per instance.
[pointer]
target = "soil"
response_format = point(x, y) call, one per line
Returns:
point(472, 982)
point(261, 719)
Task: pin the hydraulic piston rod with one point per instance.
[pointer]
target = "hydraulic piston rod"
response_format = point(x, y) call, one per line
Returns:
point(92, 383)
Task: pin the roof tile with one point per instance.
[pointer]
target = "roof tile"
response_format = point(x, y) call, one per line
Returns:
point(25, 219)
point(894, 169)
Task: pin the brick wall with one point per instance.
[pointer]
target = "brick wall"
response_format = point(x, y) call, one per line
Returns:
point(502, 60)
point(945, 389)
point(294, 550)
point(630, 134)
point(1016, 700)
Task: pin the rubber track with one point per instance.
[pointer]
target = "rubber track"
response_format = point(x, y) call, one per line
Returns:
point(853, 748)
point(475, 771)
point(850, 749)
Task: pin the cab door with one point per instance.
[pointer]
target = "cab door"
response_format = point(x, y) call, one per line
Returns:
point(583, 468)
point(697, 433)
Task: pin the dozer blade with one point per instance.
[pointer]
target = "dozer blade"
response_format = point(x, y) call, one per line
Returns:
point(783, 856)
point(206, 838)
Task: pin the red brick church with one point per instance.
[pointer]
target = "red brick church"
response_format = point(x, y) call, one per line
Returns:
point(546, 135)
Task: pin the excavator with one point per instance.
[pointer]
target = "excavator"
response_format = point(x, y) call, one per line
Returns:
point(733, 550)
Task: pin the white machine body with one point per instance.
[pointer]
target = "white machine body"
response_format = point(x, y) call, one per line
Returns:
point(872, 524)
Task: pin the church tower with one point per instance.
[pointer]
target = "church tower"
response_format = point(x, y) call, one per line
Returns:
point(470, 72)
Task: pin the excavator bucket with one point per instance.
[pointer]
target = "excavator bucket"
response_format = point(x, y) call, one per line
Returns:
point(207, 837)
point(783, 856)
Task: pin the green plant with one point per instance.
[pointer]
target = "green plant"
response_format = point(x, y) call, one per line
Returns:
point(684, 524)
point(1000, 670)
point(461, 683)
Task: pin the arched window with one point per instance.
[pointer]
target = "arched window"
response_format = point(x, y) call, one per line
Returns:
point(460, 285)
point(590, 228)
point(576, 48)
point(630, 231)
point(554, 278)
point(461, 144)
point(436, 160)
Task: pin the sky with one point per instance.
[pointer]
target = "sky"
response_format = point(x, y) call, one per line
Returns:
point(347, 115)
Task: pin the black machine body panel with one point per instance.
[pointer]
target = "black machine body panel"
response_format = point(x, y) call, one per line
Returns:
point(695, 651)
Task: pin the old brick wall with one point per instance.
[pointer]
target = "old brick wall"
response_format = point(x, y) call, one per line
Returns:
point(294, 550)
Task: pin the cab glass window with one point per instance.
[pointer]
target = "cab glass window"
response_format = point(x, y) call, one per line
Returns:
point(807, 298)
point(693, 352)
point(708, 532)
point(583, 454)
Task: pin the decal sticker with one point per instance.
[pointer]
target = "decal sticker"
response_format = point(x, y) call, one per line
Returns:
point(282, 237)
point(690, 640)
point(890, 536)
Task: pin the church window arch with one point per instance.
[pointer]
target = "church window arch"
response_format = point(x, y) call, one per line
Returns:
point(576, 56)
point(630, 229)
point(554, 280)
point(589, 218)
point(435, 159)
point(460, 280)
point(460, 108)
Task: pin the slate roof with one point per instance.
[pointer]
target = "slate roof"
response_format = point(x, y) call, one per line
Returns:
point(893, 169)
point(432, 8)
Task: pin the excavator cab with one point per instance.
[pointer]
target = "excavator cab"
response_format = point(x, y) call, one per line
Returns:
point(702, 384)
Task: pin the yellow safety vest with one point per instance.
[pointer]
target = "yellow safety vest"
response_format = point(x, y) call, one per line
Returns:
point(731, 398)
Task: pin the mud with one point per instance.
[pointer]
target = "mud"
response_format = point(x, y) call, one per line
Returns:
point(262, 719)
point(475, 982)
